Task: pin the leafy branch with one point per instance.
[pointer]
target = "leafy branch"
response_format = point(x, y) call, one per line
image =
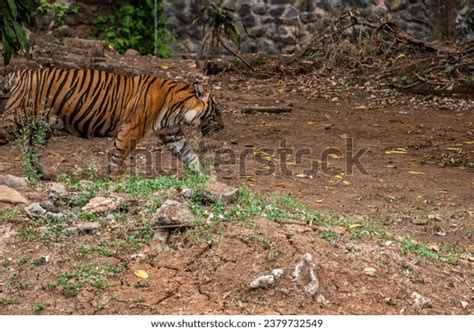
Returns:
point(13, 14)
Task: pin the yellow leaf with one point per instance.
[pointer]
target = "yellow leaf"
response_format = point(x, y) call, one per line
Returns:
point(334, 156)
point(280, 184)
point(250, 179)
point(416, 173)
point(360, 107)
point(164, 66)
point(354, 226)
point(345, 182)
point(311, 122)
point(399, 150)
point(141, 274)
point(455, 149)
point(469, 142)
point(319, 201)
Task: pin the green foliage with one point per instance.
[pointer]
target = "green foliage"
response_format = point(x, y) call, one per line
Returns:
point(88, 274)
point(58, 10)
point(9, 215)
point(39, 307)
point(140, 186)
point(13, 14)
point(31, 138)
point(409, 245)
point(132, 26)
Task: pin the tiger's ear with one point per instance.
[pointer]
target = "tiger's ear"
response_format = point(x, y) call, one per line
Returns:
point(199, 89)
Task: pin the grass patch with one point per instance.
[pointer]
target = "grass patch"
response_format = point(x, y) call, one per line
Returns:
point(330, 236)
point(38, 308)
point(89, 274)
point(140, 186)
point(409, 245)
point(10, 215)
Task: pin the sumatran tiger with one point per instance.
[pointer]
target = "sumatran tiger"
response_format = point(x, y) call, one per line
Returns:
point(93, 103)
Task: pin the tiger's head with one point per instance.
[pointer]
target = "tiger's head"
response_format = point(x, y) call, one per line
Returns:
point(203, 111)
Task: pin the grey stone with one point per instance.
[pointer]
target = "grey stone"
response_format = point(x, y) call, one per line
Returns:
point(305, 275)
point(17, 183)
point(276, 11)
point(245, 10)
point(11, 196)
point(262, 282)
point(87, 228)
point(215, 190)
point(174, 213)
point(259, 10)
point(420, 301)
point(103, 204)
point(131, 52)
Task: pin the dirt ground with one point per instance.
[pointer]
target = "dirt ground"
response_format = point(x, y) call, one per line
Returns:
point(417, 182)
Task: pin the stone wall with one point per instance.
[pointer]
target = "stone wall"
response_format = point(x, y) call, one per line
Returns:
point(279, 26)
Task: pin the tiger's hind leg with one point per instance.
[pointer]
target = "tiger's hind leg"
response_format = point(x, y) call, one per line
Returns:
point(174, 140)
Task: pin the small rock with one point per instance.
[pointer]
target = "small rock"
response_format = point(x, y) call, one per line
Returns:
point(43, 260)
point(103, 204)
point(14, 182)
point(464, 304)
point(305, 275)
point(215, 190)
point(277, 273)
point(83, 228)
point(11, 196)
point(322, 300)
point(57, 189)
point(436, 217)
point(419, 221)
point(420, 301)
point(187, 193)
point(262, 282)
point(35, 210)
point(370, 271)
point(131, 52)
point(161, 236)
point(49, 206)
point(174, 213)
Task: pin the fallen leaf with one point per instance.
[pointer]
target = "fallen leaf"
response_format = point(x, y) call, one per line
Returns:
point(250, 179)
point(280, 184)
point(319, 201)
point(354, 226)
point(141, 274)
point(469, 142)
point(416, 173)
point(399, 150)
point(334, 156)
point(344, 136)
point(455, 149)
point(164, 66)
point(311, 122)
point(360, 107)
point(345, 182)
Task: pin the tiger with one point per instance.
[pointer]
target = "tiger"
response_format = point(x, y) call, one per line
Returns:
point(91, 103)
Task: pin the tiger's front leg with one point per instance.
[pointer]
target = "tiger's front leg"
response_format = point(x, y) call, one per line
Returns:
point(174, 139)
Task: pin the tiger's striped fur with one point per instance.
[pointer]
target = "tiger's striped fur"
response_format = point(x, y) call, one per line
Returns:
point(93, 103)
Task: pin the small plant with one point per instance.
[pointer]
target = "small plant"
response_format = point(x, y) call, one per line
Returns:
point(9, 215)
point(330, 236)
point(38, 308)
point(31, 138)
point(219, 24)
point(133, 26)
point(84, 275)
point(408, 245)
